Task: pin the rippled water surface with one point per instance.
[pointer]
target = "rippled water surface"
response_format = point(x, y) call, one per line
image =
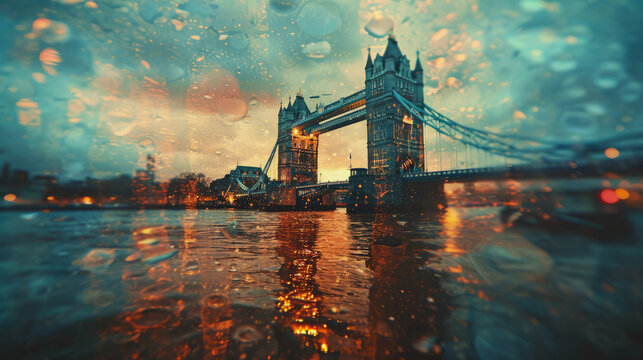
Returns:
point(242, 284)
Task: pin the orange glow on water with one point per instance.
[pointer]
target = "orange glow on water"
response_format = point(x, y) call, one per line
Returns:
point(10, 197)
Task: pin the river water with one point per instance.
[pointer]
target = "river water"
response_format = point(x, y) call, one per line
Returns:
point(457, 283)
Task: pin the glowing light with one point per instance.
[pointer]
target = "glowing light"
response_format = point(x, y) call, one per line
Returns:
point(145, 64)
point(50, 58)
point(622, 194)
point(407, 119)
point(519, 115)
point(10, 197)
point(324, 347)
point(608, 196)
point(50, 198)
point(195, 37)
point(295, 131)
point(91, 4)
point(612, 153)
point(87, 200)
point(439, 35)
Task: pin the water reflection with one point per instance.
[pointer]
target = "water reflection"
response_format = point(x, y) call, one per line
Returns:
point(458, 283)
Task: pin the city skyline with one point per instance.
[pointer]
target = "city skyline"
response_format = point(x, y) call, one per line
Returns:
point(91, 88)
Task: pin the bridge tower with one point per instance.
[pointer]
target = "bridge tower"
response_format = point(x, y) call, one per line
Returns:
point(297, 150)
point(395, 139)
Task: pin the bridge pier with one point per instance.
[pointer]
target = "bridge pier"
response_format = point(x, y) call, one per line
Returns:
point(374, 193)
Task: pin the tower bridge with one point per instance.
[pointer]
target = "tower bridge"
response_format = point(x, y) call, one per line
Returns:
point(392, 105)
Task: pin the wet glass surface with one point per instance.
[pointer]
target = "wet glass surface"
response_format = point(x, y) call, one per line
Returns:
point(461, 282)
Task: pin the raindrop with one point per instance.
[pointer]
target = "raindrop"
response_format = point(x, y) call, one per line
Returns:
point(380, 26)
point(319, 18)
point(97, 259)
point(159, 287)
point(609, 75)
point(238, 41)
point(174, 73)
point(316, 49)
point(563, 65)
point(200, 7)
point(160, 257)
point(576, 92)
point(231, 109)
point(191, 265)
point(149, 11)
point(146, 242)
point(631, 91)
point(595, 109)
point(284, 6)
point(424, 344)
point(579, 122)
point(253, 101)
point(217, 302)
point(148, 318)
point(532, 6)
point(218, 152)
point(247, 334)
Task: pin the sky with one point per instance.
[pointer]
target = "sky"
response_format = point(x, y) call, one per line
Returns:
point(90, 88)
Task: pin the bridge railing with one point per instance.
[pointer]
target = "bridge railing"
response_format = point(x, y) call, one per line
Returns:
point(332, 107)
point(346, 119)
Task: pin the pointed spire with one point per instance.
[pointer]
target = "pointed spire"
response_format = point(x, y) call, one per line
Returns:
point(392, 49)
point(418, 63)
point(369, 62)
point(289, 103)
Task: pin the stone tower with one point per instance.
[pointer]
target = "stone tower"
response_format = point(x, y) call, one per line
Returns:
point(297, 152)
point(395, 139)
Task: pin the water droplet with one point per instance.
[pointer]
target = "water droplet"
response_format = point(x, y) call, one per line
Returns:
point(159, 287)
point(247, 334)
point(191, 265)
point(253, 101)
point(174, 73)
point(231, 109)
point(200, 7)
point(609, 75)
point(563, 65)
point(238, 41)
point(319, 18)
point(595, 109)
point(149, 11)
point(316, 49)
point(152, 259)
point(631, 91)
point(579, 122)
point(147, 318)
point(531, 6)
point(97, 259)
point(380, 26)
point(146, 242)
point(284, 6)
point(424, 344)
point(217, 302)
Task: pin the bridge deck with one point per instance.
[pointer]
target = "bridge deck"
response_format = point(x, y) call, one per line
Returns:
point(334, 124)
point(333, 109)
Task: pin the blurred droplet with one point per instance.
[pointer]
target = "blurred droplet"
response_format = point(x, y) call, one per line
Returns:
point(380, 26)
point(152, 259)
point(579, 122)
point(147, 318)
point(563, 65)
point(149, 11)
point(284, 6)
point(97, 259)
point(316, 49)
point(319, 18)
point(609, 75)
point(174, 73)
point(253, 101)
point(631, 91)
point(238, 41)
point(232, 110)
point(247, 334)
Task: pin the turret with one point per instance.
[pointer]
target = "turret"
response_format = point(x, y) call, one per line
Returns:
point(369, 65)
